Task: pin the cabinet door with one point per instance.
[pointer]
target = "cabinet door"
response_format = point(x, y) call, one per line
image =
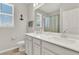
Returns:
point(46, 52)
point(36, 49)
point(26, 46)
point(30, 48)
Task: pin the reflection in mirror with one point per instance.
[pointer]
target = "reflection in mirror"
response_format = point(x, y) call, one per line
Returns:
point(51, 24)
point(38, 21)
point(57, 17)
point(47, 21)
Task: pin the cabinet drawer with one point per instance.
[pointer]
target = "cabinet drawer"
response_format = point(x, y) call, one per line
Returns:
point(58, 49)
point(36, 41)
point(29, 37)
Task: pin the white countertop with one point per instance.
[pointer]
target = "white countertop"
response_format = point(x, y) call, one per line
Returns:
point(68, 42)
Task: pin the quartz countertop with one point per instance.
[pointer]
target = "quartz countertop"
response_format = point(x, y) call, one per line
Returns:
point(55, 38)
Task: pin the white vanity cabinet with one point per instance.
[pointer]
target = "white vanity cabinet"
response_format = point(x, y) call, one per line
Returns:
point(46, 50)
point(28, 45)
point(36, 46)
point(58, 50)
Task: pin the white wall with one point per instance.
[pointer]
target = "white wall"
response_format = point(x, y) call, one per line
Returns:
point(6, 34)
point(30, 16)
point(71, 21)
point(66, 7)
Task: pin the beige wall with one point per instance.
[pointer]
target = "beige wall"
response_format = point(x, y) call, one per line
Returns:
point(17, 32)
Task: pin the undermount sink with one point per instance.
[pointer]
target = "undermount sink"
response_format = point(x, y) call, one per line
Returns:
point(65, 40)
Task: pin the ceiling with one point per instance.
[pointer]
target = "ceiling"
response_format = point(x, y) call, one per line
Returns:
point(50, 7)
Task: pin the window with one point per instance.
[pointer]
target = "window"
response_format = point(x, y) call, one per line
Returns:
point(6, 15)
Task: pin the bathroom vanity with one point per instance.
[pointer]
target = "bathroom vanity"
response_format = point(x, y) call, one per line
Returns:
point(50, 44)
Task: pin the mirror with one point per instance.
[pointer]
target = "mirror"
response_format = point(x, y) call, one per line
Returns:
point(58, 17)
point(45, 20)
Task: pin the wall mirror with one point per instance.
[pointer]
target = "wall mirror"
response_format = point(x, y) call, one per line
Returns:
point(57, 17)
point(47, 19)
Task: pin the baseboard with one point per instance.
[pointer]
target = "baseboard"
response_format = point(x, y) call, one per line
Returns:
point(8, 50)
